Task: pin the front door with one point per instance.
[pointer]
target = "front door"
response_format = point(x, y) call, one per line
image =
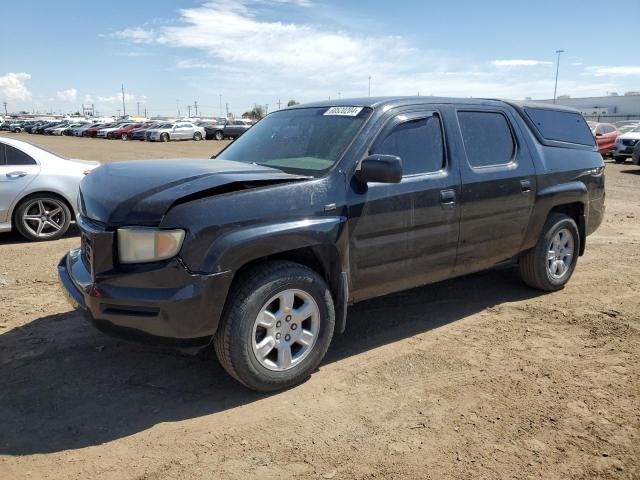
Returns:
point(406, 234)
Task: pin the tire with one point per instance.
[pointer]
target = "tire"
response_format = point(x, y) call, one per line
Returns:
point(197, 136)
point(164, 137)
point(239, 335)
point(536, 267)
point(38, 207)
point(125, 136)
point(218, 135)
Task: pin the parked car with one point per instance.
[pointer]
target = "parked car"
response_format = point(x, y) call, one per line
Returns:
point(260, 250)
point(64, 128)
point(79, 131)
point(93, 131)
point(175, 131)
point(31, 127)
point(40, 128)
point(123, 131)
point(234, 128)
point(139, 133)
point(606, 134)
point(625, 144)
point(105, 131)
point(48, 130)
point(215, 130)
point(628, 127)
point(38, 190)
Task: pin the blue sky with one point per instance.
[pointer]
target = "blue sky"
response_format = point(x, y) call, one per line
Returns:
point(57, 55)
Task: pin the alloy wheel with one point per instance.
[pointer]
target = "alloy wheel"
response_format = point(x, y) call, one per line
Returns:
point(285, 330)
point(44, 217)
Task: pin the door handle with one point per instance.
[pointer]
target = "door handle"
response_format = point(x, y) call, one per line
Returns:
point(14, 175)
point(447, 198)
point(525, 185)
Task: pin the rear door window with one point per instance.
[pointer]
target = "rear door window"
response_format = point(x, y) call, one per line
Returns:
point(487, 136)
point(2, 159)
point(17, 157)
point(569, 127)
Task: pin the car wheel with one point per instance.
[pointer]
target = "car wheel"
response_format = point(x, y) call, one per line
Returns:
point(277, 326)
point(219, 135)
point(125, 136)
point(164, 137)
point(550, 264)
point(197, 136)
point(42, 217)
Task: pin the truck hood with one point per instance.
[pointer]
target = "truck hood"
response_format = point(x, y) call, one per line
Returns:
point(141, 192)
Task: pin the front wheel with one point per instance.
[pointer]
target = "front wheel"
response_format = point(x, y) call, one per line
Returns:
point(277, 326)
point(125, 136)
point(219, 135)
point(550, 264)
point(164, 137)
point(197, 136)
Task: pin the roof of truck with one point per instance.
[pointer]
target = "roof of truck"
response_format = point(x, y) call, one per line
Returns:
point(391, 102)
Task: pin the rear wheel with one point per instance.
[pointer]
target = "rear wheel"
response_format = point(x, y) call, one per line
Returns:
point(277, 326)
point(550, 264)
point(42, 217)
point(219, 135)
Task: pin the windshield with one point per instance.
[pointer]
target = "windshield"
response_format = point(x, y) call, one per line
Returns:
point(306, 140)
point(166, 125)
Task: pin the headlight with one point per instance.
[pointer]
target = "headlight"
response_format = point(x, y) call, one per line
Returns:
point(139, 245)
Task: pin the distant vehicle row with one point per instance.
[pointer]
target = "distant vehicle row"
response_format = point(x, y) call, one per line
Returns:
point(162, 131)
point(617, 139)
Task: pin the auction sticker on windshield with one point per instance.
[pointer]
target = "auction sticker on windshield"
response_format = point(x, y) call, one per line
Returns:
point(344, 111)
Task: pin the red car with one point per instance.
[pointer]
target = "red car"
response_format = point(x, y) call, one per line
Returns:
point(606, 134)
point(125, 132)
point(93, 131)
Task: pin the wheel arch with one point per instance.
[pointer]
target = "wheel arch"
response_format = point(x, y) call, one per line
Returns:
point(34, 193)
point(571, 198)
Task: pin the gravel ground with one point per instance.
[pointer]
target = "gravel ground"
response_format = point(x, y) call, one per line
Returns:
point(477, 377)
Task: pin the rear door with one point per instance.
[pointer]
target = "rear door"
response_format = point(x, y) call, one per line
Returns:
point(498, 187)
point(406, 234)
point(17, 171)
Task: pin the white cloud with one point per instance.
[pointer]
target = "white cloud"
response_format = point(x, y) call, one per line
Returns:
point(136, 35)
point(614, 71)
point(12, 86)
point(68, 95)
point(88, 99)
point(519, 63)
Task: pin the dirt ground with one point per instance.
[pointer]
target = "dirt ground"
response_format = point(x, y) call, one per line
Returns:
point(477, 377)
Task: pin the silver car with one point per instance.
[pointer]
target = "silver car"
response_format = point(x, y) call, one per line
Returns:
point(38, 190)
point(175, 131)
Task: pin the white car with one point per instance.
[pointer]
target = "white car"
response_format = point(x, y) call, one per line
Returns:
point(38, 189)
point(175, 131)
point(102, 133)
point(625, 144)
point(60, 130)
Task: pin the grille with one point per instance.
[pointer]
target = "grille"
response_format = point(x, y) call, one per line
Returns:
point(629, 142)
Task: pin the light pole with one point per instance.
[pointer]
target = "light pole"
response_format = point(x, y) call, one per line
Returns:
point(555, 88)
point(369, 86)
point(220, 98)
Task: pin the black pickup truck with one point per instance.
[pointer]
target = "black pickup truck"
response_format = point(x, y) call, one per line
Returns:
point(261, 250)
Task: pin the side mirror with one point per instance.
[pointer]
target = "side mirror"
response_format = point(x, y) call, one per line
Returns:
point(380, 168)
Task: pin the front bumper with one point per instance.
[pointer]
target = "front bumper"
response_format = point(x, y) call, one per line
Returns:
point(164, 305)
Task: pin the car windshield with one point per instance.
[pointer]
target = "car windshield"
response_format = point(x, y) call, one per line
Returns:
point(636, 129)
point(166, 125)
point(308, 141)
